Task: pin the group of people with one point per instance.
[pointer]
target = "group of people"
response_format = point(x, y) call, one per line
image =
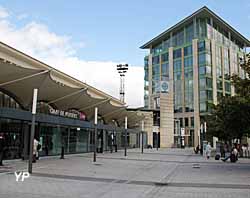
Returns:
point(226, 152)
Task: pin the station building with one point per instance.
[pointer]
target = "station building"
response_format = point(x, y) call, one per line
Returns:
point(65, 110)
point(188, 69)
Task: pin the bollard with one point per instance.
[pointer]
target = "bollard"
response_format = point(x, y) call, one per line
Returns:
point(62, 153)
point(1, 160)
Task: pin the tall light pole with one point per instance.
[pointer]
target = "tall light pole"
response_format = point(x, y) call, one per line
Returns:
point(125, 141)
point(32, 132)
point(95, 133)
point(122, 69)
point(142, 132)
point(178, 131)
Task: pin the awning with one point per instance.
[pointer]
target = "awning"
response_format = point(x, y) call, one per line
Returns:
point(54, 88)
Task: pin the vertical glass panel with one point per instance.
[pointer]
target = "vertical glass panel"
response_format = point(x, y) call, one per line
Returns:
point(201, 46)
point(202, 83)
point(82, 140)
point(188, 50)
point(177, 53)
point(177, 65)
point(155, 60)
point(189, 33)
point(164, 57)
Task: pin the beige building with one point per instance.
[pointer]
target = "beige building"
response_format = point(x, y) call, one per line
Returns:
point(187, 70)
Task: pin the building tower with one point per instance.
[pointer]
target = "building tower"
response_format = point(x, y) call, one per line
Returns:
point(196, 57)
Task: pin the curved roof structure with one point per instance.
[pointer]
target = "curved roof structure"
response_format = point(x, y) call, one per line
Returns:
point(20, 74)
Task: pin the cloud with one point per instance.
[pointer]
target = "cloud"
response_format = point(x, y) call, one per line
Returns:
point(59, 51)
point(3, 13)
point(22, 16)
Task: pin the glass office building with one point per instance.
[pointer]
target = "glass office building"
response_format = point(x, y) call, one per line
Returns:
point(196, 57)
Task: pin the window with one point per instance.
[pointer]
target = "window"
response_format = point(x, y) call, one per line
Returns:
point(178, 38)
point(219, 84)
point(157, 103)
point(177, 53)
point(209, 83)
point(209, 94)
point(155, 60)
point(203, 96)
point(188, 74)
point(202, 59)
point(201, 46)
point(181, 122)
point(177, 65)
point(177, 76)
point(203, 107)
point(156, 72)
point(166, 44)
point(189, 33)
point(165, 70)
point(188, 50)
point(227, 87)
point(157, 49)
point(202, 83)
point(202, 70)
point(208, 70)
point(156, 86)
point(188, 61)
point(192, 121)
point(164, 57)
point(186, 122)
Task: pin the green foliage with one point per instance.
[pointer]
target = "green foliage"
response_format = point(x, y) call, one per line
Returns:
point(231, 117)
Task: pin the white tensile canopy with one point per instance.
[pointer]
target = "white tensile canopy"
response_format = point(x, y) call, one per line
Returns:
point(61, 90)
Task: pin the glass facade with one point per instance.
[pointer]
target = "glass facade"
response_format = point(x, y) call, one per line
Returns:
point(146, 82)
point(205, 76)
point(52, 137)
point(216, 63)
point(178, 106)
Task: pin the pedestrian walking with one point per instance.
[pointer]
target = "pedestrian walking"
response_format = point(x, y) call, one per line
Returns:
point(208, 150)
point(244, 150)
point(35, 145)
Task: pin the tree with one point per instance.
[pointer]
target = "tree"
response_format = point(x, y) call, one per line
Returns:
point(231, 117)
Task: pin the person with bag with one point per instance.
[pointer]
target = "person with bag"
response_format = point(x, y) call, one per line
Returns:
point(35, 150)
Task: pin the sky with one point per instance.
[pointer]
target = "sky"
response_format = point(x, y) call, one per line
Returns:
point(87, 39)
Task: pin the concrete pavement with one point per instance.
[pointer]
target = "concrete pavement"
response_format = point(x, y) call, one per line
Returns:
point(166, 172)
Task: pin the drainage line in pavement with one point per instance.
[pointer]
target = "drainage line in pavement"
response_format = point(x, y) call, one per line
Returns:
point(145, 183)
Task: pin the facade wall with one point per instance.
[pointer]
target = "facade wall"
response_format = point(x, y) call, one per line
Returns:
point(198, 78)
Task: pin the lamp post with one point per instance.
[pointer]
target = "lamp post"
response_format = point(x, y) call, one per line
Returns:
point(142, 131)
point(95, 136)
point(32, 132)
point(122, 69)
point(178, 131)
point(125, 141)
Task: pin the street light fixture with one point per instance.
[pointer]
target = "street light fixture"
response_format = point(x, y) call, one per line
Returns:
point(122, 69)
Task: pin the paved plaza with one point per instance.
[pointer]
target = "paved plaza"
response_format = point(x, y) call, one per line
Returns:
point(162, 173)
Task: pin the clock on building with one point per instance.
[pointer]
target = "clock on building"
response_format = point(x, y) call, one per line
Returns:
point(164, 86)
